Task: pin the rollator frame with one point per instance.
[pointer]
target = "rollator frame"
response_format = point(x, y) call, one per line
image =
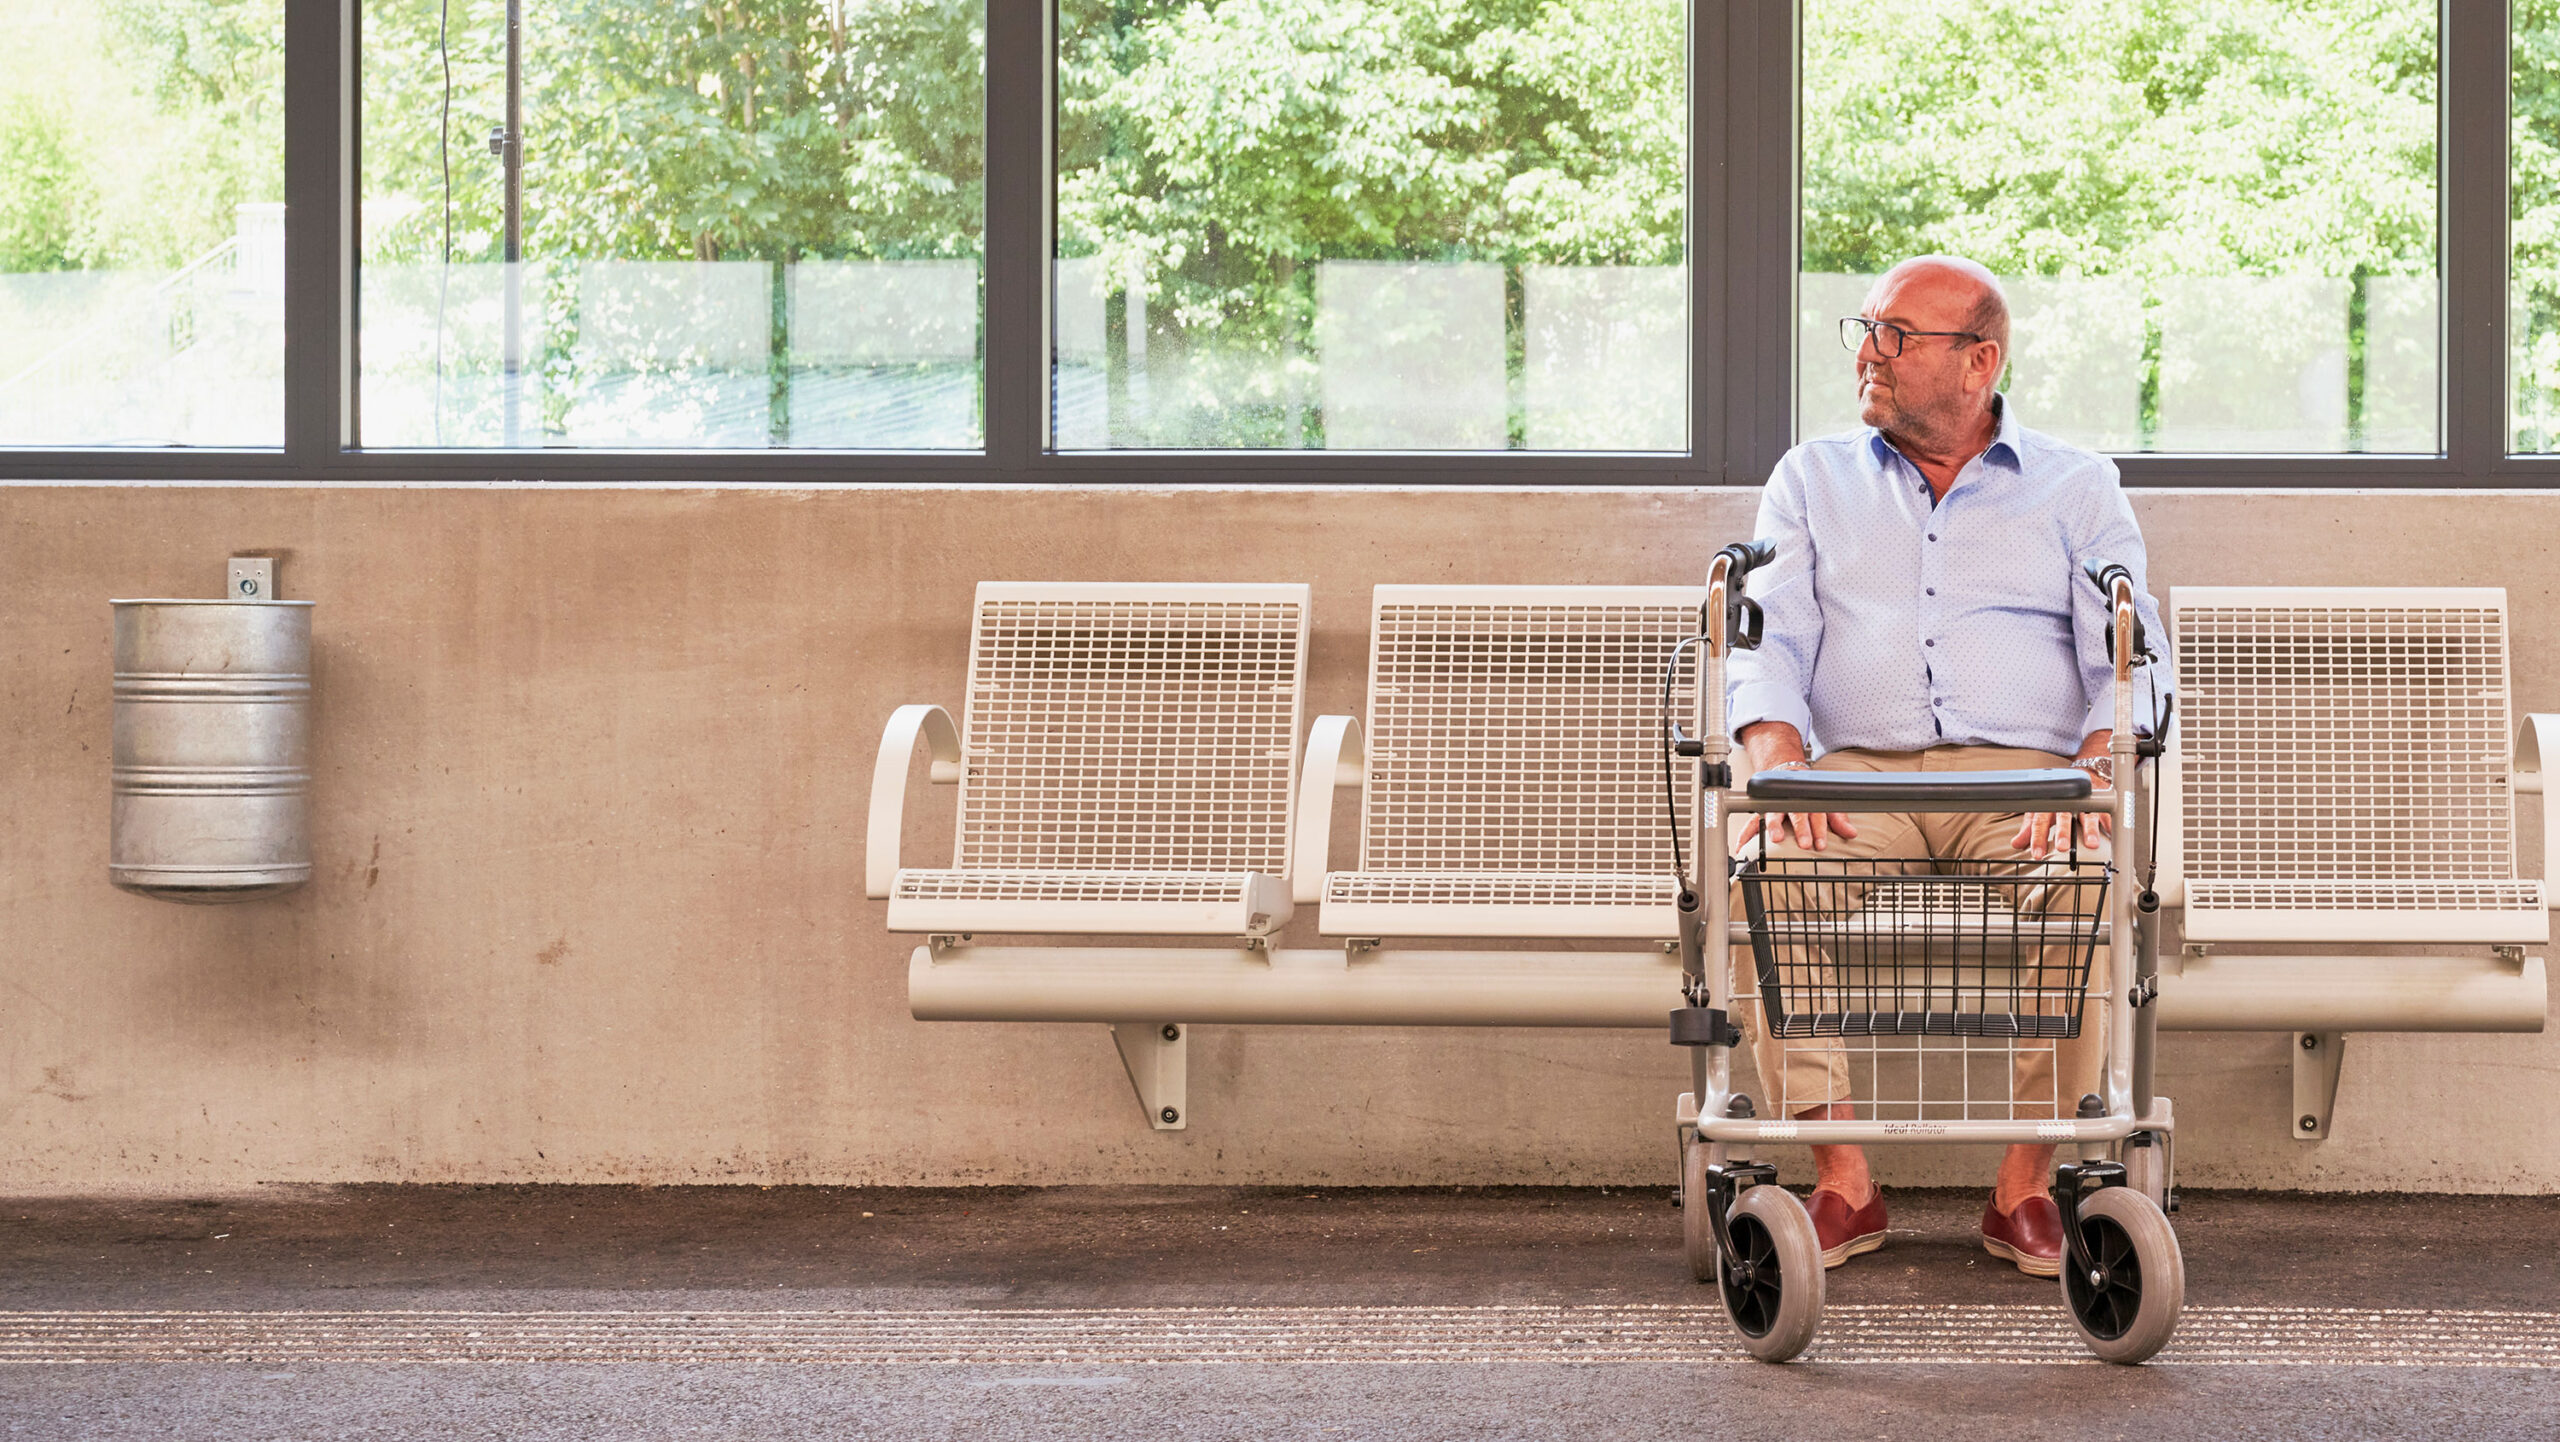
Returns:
point(2127, 1114)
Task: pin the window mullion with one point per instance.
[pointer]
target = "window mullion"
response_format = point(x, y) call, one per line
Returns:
point(1753, 278)
point(2475, 244)
point(1019, 68)
point(319, 233)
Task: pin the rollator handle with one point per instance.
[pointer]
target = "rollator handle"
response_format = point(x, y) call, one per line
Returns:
point(2104, 574)
point(1743, 622)
point(1744, 557)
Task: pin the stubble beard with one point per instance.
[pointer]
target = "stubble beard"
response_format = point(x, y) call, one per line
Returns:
point(1884, 412)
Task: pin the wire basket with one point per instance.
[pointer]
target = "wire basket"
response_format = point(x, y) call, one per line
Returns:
point(1888, 947)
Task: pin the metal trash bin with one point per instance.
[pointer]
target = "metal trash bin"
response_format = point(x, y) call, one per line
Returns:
point(212, 743)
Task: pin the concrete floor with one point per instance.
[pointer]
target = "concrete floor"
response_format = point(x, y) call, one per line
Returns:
point(1193, 1312)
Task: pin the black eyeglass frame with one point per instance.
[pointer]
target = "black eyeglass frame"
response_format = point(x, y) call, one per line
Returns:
point(1854, 340)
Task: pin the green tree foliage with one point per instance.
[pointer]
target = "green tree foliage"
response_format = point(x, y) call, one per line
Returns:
point(2160, 139)
point(1223, 149)
point(214, 70)
point(683, 129)
point(45, 202)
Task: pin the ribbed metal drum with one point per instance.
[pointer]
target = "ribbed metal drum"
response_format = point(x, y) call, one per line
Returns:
point(212, 749)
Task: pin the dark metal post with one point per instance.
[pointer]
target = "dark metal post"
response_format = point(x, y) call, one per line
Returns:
point(319, 257)
point(2474, 242)
point(1017, 247)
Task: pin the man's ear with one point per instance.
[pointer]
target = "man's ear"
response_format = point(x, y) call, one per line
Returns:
point(1984, 366)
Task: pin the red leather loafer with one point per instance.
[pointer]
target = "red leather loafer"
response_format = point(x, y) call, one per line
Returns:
point(1844, 1233)
point(2030, 1236)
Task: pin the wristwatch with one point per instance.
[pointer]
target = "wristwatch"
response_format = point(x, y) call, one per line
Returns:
point(2102, 767)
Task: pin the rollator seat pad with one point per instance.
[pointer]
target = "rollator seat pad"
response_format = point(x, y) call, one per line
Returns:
point(1911, 790)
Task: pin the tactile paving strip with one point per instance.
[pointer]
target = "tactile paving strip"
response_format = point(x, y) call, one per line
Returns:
point(1899, 1334)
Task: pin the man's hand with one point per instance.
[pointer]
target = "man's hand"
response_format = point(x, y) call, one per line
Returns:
point(1811, 830)
point(2043, 833)
point(1777, 746)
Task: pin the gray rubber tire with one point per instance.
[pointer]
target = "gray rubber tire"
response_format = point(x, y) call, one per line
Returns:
point(1697, 1228)
point(2146, 1170)
point(1776, 1310)
point(2131, 1316)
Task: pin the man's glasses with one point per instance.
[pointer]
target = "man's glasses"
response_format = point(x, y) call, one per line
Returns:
point(1855, 330)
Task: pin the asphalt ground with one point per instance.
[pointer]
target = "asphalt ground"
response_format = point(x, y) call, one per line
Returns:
point(563, 1312)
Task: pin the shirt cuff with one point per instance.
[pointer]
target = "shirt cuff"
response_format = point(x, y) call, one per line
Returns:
point(1756, 701)
point(2102, 712)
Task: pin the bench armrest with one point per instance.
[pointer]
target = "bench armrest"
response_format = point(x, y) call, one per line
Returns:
point(889, 785)
point(2538, 738)
point(1337, 756)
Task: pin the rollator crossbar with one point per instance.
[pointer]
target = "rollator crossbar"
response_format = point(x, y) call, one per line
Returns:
point(1926, 790)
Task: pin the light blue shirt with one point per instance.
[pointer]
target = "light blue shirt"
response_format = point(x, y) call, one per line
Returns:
point(1897, 625)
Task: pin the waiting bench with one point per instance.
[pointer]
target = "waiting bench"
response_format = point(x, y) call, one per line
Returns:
point(1512, 792)
point(2342, 777)
point(1127, 758)
point(1513, 784)
point(2344, 773)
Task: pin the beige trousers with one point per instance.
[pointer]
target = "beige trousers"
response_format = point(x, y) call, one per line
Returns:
point(1814, 1071)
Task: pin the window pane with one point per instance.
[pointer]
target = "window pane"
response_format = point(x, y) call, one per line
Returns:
point(2534, 274)
point(2216, 221)
point(142, 223)
point(745, 224)
point(1372, 225)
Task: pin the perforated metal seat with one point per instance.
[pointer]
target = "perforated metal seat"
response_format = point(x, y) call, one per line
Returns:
point(1144, 903)
point(1127, 763)
point(1514, 783)
point(2343, 767)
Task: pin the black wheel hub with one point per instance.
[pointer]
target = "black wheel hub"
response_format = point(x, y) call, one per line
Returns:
point(1752, 1286)
point(2107, 1297)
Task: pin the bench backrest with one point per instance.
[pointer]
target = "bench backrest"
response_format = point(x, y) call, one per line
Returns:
point(2342, 768)
point(1519, 728)
point(1132, 726)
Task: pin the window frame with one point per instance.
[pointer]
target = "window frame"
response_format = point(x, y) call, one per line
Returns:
point(1744, 174)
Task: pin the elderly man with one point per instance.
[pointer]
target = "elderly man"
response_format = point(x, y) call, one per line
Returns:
point(1926, 613)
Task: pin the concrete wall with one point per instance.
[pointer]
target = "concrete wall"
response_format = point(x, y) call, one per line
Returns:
point(590, 781)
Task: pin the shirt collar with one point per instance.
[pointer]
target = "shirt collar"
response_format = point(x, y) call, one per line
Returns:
point(2003, 449)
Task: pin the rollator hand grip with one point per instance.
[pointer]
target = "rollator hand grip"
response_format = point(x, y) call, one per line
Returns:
point(1742, 619)
point(2103, 574)
point(1913, 790)
point(1744, 557)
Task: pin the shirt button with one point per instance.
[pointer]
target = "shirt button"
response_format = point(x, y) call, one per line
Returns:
point(1937, 700)
point(1933, 590)
point(1928, 643)
point(1933, 535)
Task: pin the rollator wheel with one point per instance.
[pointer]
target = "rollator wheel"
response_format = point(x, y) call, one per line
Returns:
point(2146, 1170)
point(2127, 1308)
point(1697, 1226)
point(1775, 1298)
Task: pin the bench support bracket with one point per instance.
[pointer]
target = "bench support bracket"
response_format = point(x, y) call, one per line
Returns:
point(2316, 1055)
point(1153, 1051)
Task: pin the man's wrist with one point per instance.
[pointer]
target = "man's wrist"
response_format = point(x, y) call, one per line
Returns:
point(2101, 767)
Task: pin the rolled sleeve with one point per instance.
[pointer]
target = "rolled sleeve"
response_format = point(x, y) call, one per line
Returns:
point(1772, 683)
point(2110, 534)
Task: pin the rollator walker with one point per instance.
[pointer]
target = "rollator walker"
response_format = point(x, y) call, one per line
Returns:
point(1928, 978)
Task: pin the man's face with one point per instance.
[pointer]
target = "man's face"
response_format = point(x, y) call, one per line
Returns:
point(1928, 389)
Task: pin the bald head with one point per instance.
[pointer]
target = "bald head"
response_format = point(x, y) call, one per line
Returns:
point(1972, 291)
point(1935, 393)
